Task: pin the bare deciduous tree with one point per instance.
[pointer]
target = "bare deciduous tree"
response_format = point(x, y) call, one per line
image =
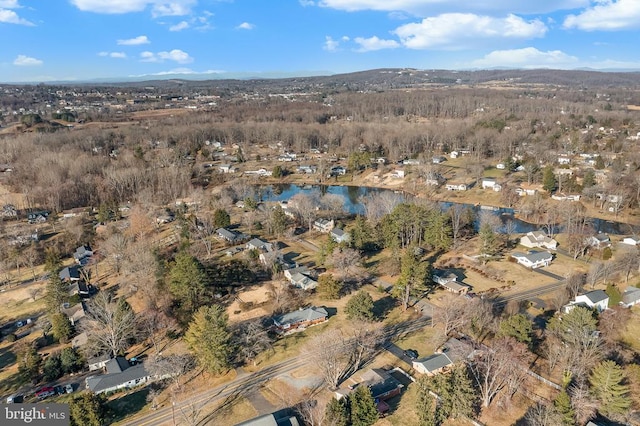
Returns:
point(111, 324)
point(348, 262)
point(251, 338)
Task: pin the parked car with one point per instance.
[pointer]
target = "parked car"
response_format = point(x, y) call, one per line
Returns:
point(45, 392)
point(411, 354)
point(17, 398)
point(68, 388)
point(59, 389)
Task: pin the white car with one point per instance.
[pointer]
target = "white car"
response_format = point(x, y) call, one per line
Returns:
point(68, 388)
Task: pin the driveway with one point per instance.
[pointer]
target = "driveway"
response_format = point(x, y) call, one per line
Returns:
point(548, 274)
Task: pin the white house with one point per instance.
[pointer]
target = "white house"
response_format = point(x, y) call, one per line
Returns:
point(456, 187)
point(596, 299)
point(339, 235)
point(433, 364)
point(259, 245)
point(599, 241)
point(323, 225)
point(533, 259)
point(632, 241)
point(630, 297)
point(500, 166)
point(538, 239)
point(399, 174)
point(490, 183)
point(454, 154)
point(226, 168)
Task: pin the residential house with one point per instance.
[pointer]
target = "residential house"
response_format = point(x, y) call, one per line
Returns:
point(226, 168)
point(82, 255)
point(599, 241)
point(456, 187)
point(449, 281)
point(258, 244)
point(75, 313)
point(80, 340)
point(490, 183)
point(438, 159)
point(70, 273)
point(339, 235)
point(9, 211)
point(630, 297)
point(120, 374)
point(566, 197)
point(564, 160)
point(271, 420)
point(596, 299)
point(323, 225)
point(538, 239)
point(411, 162)
point(500, 166)
point(434, 179)
point(433, 364)
point(533, 259)
point(81, 288)
point(454, 154)
point(307, 169)
point(632, 241)
point(337, 171)
point(458, 349)
point(300, 319)
point(231, 236)
point(98, 362)
point(302, 281)
point(527, 189)
point(37, 216)
point(382, 384)
point(398, 174)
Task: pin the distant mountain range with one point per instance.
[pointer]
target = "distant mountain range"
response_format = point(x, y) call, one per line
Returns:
point(377, 79)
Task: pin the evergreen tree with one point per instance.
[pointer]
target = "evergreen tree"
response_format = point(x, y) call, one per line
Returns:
point(221, 218)
point(606, 381)
point(187, 281)
point(414, 275)
point(517, 326)
point(88, 409)
point(562, 404)
point(209, 338)
point(52, 368)
point(549, 181)
point(438, 233)
point(29, 363)
point(489, 240)
point(337, 413)
point(61, 327)
point(463, 396)
point(589, 179)
point(278, 221)
point(363, 408)
point(56, 293)
point(328, 287)
point(456, 396)
point(599, 163)
point(362, 235)
point(71, 360)
point(425, 403)
point(277, 172)
point(360, 306)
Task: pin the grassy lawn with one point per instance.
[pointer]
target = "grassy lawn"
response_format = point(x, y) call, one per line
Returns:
point(632, 331)
point(127, 405)
point(227, 413)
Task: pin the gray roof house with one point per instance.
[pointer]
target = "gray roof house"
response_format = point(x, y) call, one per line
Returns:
point(432, 364)
point(630, 297)
point(596, 299)
point(302, 318)
point(339, 235)
point(533, 259)
point(120, 374)
point(231, 236)
point(83, 254)
point(271, 420)
point(260, 245)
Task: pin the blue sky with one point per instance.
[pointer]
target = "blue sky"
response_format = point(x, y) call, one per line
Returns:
point(47, 40)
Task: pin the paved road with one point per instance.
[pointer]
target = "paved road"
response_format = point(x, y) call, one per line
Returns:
point(247, 383)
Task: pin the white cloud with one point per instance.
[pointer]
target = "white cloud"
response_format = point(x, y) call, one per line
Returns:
point(158, 7)
point(375, 43)
point(10, 17)
point(183, 25)
point(607, 15)
point(136, 41)
point(528, 57)
point(330, 44)
point(175, 55)
point(245, 26)
point(452, 31)
point(9, 4)
point(306, 3)
point(26, 61)
point(428, 7)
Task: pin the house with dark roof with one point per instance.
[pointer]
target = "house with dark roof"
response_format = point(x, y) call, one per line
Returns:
point(596, 299)
point(271, 420)
point(231, 236)
point(70, 273)
point(449, 281)
point(82, 255)
point(433, 364)
point(300, 319)
point(533, 259)
point(381, 382)
point(120, 374)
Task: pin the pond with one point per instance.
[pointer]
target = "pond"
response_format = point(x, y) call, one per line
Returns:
point(353, 194)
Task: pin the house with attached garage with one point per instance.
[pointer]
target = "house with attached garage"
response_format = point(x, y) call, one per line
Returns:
point(538, 239)
point(491, 183)
point(120, 374)
point(533, 259)
point(382, 384)
point(596, 299)
point(231, 236)
point(449, 281)
point(300, 319)
point(339, 235)
point(631, 241)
